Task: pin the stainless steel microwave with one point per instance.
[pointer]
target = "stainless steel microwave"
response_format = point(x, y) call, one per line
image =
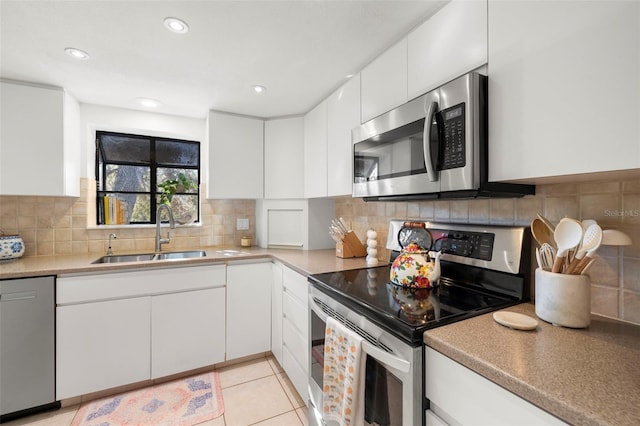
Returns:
point(434, 146)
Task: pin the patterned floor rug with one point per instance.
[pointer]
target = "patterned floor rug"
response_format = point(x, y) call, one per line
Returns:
point(182, 402)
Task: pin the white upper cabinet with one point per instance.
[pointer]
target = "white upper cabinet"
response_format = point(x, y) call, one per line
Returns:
point(343, 114)
point(384, 82)
point(315, 152)
point(284, 158)
point(564, 91)
point(451, 43)
point(236, 155)
point(39, 141)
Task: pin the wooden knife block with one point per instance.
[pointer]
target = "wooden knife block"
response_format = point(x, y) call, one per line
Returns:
point(350, 247)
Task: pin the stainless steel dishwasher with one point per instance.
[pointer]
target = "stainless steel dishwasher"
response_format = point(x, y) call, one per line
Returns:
point(27, 346)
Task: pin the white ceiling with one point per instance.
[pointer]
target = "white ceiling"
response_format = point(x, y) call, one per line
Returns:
point(300, 50)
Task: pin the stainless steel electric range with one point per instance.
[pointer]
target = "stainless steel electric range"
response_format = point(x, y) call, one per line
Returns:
point(483, 268)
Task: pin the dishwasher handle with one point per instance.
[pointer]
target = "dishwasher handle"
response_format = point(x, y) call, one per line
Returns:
point(18, 295)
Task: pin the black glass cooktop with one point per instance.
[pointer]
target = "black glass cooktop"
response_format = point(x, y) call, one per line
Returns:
point(404, 312)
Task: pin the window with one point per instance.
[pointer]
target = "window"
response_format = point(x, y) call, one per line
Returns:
point(135, 173)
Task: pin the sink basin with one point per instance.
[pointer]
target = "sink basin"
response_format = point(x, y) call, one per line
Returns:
point(125, 258)
point(145, 257)
point(175, 255)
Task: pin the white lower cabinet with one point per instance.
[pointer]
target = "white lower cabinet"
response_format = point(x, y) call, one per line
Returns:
point(248, 309)
point(460, 396)
point(295, 329)
point(102, 345)
point(119, 328)
point(186, 332)
point(276, 312)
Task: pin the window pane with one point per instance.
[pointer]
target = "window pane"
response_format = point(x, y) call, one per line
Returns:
point(141, 211)
point(165, 174)
point(184, 208)
point(174, 153)
point(127, 178)
point(123, 148)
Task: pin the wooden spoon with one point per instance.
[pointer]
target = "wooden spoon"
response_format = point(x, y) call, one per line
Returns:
point(546, 222)
point(541, 232)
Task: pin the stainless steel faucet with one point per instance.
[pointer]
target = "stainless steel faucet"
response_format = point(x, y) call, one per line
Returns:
point(109, 251)
point(159, 240)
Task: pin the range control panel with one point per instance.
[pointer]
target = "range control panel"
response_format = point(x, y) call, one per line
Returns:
point(477, 245)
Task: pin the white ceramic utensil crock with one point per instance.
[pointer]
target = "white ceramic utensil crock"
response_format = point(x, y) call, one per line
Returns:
point(563, 299)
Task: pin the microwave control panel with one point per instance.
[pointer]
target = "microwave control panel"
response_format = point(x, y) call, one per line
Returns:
point(477, 245)
point(452, 151)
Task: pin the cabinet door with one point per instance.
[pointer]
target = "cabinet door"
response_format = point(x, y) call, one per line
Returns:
point(102, 345)
point(461, 396)
point(284, 158)
point(39, 141)
point(235, 156)
point(343, 114)
point(276, 312)
point(440, 51)
point(315, 152)
point(248, 309)
point(563, 100)
point(384, 82)
point(187, 331)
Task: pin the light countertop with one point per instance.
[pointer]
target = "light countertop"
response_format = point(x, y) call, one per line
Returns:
point(304, 261)
point(583, 376)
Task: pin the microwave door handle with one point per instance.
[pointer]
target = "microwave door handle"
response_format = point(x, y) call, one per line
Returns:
point(426, 138)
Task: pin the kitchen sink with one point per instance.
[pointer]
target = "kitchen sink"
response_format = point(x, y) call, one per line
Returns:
point(175, 255)
point(145, 257)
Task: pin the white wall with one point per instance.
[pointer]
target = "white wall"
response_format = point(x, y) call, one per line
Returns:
point(97, 117)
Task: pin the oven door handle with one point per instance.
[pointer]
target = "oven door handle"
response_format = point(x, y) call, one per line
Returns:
point(384, 357)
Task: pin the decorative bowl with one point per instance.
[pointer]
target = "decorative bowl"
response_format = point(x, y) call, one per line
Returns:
point(11, 247)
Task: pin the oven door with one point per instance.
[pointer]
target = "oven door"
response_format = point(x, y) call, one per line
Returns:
point(393, 383)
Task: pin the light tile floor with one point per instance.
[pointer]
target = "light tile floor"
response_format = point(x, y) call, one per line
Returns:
point(255, 392)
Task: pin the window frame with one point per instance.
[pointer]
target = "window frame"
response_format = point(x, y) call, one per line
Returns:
point(153, 165)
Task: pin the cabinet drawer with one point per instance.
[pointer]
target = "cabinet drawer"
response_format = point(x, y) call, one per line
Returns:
point(295, 284)
point(296, 373)
point(296, 313)
point(295, 343)
point(117, 285)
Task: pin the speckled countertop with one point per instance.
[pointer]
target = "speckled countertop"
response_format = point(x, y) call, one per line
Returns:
point(587, 376)
point(304, 261)
point(583, 376)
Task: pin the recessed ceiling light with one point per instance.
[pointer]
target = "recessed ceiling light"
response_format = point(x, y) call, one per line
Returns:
point(258, 89)
point(148, 102)
point(76, 53)
point(176, 25)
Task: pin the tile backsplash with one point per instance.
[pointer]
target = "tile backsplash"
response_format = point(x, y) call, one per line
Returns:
point(615, 275)
point(66, 226)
